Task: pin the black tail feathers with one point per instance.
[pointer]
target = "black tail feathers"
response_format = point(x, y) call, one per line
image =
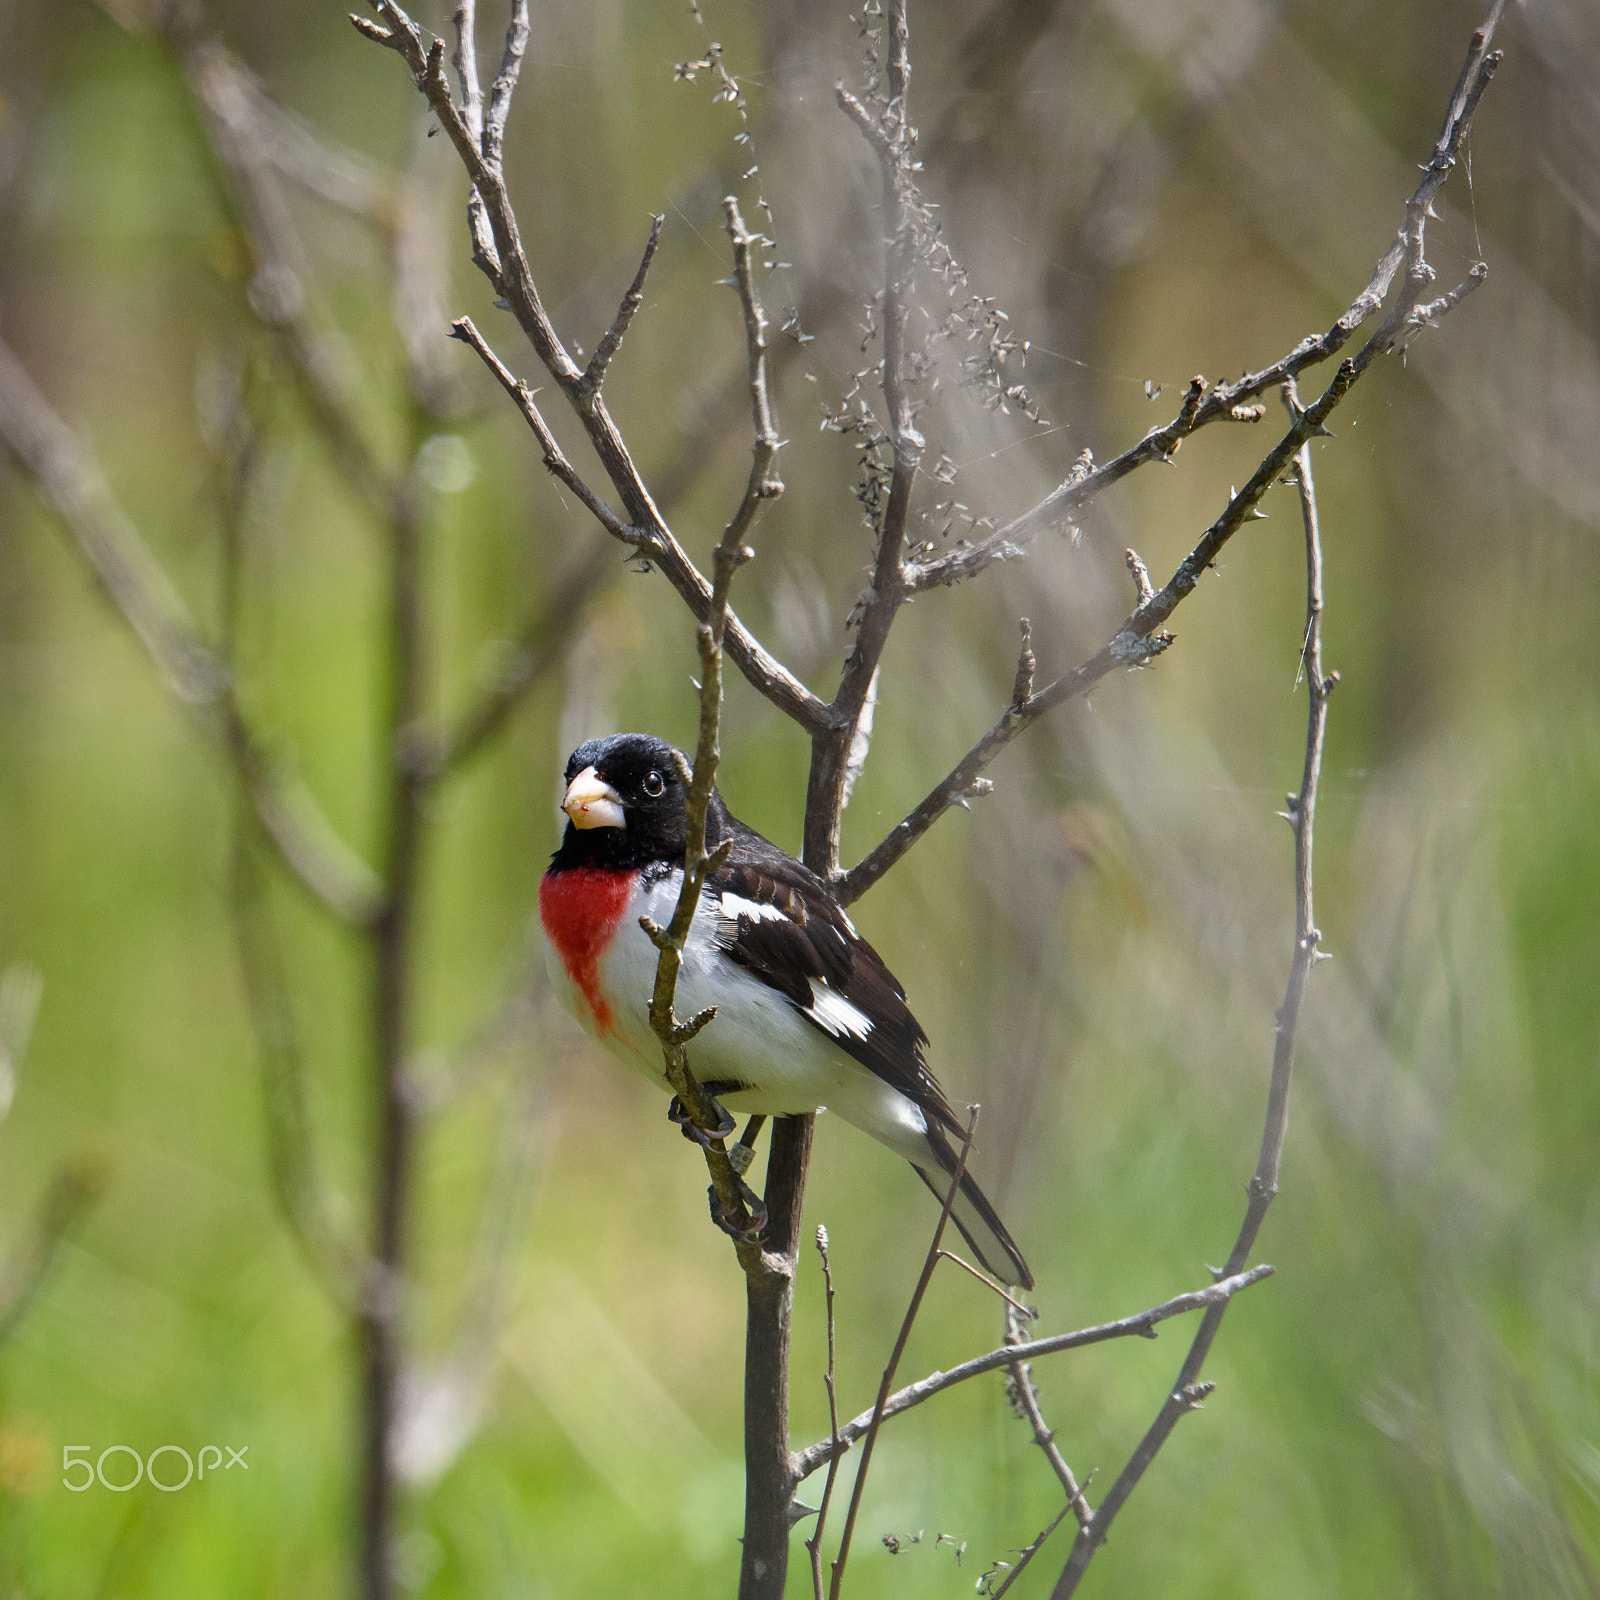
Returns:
point(972, 1213)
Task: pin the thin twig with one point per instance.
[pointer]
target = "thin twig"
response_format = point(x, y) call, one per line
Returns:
point(1189, 1389)
point(464, 58)
point(762, 484)
point(1142, 1324)
point(1025, 1555)
point(1230, 401)
point(1026, 1398)
point(611, 340)
point(555, 458)
point(731, 1196)
point(989, 1283)
point(880, 1410)
point(505, 82)
point(814, 1543)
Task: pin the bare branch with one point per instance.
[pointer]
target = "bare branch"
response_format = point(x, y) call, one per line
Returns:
point(464, 59)
point(226, 92)
point(1188, 1390)
point(1024, 1556)
point(762, 484)
point(69, 481)
point(1135, 642)
point(1229, 402)
point(1139, 638)
point(611, 340)
point(734, 1204)
point(1026, 1399)
point(555, 458)
point(1140, 1325)
point(880, 1410)
point(505, 82)
point(893, 140)
point(644, 527)
point(814, 1543)
point(335, 1259)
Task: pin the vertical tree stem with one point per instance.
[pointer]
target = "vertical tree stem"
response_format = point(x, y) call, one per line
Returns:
point(383, 1304)
point(769, 1481)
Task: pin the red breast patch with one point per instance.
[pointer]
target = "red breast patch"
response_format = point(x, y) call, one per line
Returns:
point(581, 908)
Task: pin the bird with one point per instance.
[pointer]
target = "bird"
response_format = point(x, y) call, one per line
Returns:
point(808, 1016)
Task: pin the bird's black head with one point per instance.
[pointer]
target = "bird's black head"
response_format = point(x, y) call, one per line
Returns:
point(624, 803)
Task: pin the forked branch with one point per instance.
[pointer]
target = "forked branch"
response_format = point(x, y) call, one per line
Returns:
point(1141, 1324)
point(1139, 638)
point(641, 524)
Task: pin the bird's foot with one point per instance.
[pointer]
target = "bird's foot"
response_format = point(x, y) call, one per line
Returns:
point(747, 1219)
point(745, 1225)
point(679, 1113)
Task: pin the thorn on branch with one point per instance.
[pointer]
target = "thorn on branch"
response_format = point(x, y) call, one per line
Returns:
point(975, 790)
point(655, 933)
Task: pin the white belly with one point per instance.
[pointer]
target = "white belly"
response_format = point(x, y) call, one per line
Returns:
point(758, 1037)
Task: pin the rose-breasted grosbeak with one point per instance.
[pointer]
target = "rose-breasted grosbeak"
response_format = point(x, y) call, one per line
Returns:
point(808, 1016)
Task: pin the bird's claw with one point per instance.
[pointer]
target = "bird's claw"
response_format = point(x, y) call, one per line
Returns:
point(679, 1113)
point(746, 1228)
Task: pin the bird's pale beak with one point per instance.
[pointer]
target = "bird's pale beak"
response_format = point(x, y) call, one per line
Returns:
point(591, 802)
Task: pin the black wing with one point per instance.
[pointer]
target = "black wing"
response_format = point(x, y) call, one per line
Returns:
point(781, 924)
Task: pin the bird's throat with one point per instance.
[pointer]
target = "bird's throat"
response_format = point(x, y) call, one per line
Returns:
point(581, 908)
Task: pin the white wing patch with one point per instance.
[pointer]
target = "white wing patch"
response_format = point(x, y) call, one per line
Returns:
point(832, 1012)
point(735, 906)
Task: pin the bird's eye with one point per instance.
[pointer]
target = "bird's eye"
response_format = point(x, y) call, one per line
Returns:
point(653, 784)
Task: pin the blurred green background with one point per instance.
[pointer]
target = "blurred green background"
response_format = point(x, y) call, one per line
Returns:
point(1151, 188)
